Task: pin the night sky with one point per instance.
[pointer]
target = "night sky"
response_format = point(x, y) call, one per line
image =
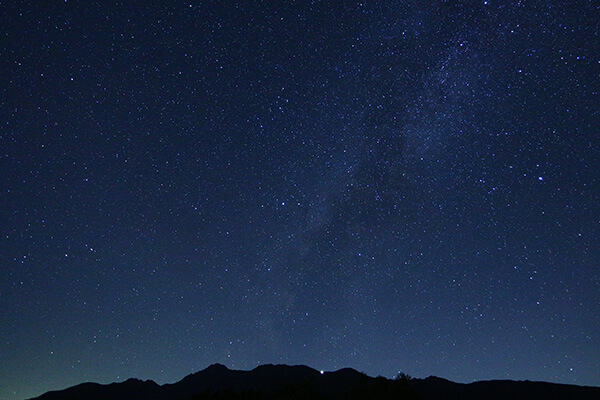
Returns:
point(383, 185)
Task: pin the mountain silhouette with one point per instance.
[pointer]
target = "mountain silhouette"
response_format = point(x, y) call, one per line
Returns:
point(281, 382)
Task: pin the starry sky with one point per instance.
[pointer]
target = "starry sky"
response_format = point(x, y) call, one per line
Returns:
point(383, 185)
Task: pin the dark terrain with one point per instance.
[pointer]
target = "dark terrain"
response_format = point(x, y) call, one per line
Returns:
point(217, 382)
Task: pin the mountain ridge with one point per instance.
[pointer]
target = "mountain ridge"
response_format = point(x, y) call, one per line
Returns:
point(280, 381)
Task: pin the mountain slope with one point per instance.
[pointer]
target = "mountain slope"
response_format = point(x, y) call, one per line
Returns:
point(282, 382)
point(442, 389)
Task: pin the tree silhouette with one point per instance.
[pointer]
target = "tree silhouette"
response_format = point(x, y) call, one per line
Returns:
point(403, 377)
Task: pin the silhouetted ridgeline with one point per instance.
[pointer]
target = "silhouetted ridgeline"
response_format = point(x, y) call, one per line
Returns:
point(281, 382)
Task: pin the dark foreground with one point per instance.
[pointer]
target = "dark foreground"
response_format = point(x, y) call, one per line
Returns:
point(270, 382)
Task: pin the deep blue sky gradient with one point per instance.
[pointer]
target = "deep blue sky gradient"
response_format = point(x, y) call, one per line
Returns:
point(384, 185)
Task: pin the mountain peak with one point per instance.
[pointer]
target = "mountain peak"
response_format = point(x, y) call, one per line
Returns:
point(132, 380)
point(216, 367)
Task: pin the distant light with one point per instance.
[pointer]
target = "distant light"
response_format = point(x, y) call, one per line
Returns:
point(541, 178)
point(322, 372)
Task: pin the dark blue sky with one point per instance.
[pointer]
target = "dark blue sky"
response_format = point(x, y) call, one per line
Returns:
point(384, 185)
